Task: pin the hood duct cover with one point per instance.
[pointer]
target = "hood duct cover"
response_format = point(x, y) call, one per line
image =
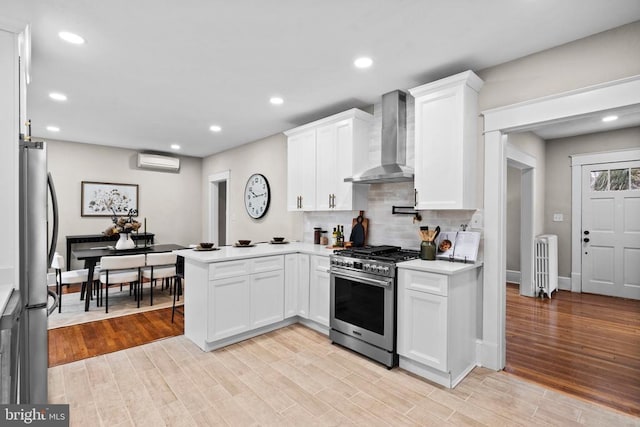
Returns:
point(393, 149)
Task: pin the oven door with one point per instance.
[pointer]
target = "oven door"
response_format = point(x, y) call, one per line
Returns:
point(363, 306)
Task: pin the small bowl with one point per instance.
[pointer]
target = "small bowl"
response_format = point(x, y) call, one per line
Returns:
point(244, 242)
point(278, 239)
point(205, 245)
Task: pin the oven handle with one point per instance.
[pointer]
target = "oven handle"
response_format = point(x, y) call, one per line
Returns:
point(374, 282)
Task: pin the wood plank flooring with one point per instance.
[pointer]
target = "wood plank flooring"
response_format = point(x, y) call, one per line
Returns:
point(583, 344)
point(71, 343)
point(295, 377)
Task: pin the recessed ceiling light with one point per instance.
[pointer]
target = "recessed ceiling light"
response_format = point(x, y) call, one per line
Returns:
point(58, 96)
point(53, 128)
point(175, 146)
point(363, 62)
point(215, 128)
point(609, 118)
point(276, 100)
point(70, 37)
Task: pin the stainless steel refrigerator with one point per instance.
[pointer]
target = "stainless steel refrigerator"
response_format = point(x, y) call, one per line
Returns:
point(35, 258)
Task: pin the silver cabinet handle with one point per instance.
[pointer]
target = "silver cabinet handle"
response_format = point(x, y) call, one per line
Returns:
point(415, 197)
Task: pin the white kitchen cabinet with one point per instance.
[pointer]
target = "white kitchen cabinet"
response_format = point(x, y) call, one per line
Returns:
point(241, 295)
point(319, 290)
point(267, 298)
point(446, 129)
point(229, 304)
point(301, 171)
point(437, 323)
point(296, 285)
point(340, 150)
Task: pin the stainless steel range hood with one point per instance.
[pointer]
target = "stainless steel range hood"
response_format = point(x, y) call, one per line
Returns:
point(393, 151)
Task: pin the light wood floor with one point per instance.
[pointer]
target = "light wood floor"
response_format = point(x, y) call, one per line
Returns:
point(587, 345)
point(294, 376)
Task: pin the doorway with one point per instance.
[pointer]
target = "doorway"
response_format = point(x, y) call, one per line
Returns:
point(498, 123)
point(218, 212)
point(610, 225)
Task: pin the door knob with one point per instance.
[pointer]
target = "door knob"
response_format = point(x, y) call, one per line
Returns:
point(586, 240)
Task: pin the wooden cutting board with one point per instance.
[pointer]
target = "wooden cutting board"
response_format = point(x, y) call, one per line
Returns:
point(365, 225)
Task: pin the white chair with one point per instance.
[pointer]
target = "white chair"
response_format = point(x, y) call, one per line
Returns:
point(66, 278)
point(120, 269)
point(159, 266)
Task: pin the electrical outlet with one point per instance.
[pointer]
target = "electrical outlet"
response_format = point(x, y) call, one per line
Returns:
point(558, 217)
point(476, 220)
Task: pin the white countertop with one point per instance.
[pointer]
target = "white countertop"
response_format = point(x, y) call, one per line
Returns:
point(438, 266)
point(5, 293)
point(229, 253)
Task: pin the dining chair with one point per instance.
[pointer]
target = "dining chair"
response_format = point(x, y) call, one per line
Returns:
point(159, 266)
point(71, 277)
point(120, 269)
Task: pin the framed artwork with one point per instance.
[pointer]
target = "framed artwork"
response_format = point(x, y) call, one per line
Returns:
point(107, 199)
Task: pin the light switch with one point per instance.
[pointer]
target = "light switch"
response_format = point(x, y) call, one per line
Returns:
point(558, 217)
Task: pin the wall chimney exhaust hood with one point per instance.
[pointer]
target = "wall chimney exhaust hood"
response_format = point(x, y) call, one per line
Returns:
point(393, 149)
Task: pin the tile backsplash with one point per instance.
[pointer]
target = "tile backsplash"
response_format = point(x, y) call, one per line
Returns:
point(384, 227)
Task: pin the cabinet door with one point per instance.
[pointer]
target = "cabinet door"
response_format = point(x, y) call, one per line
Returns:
point(422, 328)
point(319, 291)
point(291, 279)
point(229, 302)
point(296, 285)
point(326, 166)
point(301, 171)
point(267, 298)
point(303, 286)
point(446, 143)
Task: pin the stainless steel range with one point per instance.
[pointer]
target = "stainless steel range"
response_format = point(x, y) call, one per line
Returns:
point(363, 300)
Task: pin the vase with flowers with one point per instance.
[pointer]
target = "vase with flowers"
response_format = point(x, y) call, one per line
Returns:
point(123, 226)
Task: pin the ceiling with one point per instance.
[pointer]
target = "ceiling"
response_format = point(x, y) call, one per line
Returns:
point(154, 73)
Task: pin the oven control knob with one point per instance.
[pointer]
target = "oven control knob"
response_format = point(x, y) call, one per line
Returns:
point(350, 264)
point(375, 268)
point(366, 267)
point(385, 270)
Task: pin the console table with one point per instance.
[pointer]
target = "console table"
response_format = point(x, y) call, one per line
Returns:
point(89, 238)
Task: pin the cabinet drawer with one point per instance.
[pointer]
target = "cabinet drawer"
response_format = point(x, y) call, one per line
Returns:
point(321, 263)
point(423, 282)
point(267, 263)
point(221, 270)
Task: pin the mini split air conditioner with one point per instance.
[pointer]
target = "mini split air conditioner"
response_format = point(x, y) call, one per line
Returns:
point(158, 162)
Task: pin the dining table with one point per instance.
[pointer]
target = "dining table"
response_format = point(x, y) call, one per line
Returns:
point(92, 256)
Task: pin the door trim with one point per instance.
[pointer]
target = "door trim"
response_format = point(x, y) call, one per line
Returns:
point(577, 162)
point(212, 214)
point(498, 122)
point(526, 163)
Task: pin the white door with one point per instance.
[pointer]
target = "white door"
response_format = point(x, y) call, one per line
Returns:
point(611, 229)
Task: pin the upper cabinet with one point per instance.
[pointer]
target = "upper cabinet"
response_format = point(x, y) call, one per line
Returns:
point(446, 139)
point(320, 155)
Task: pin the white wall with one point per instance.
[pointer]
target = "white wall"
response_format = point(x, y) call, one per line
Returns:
point(267, 156)
point(169, 201)
point(513, 218)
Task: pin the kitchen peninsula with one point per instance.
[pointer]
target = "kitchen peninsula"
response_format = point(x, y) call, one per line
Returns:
point(234, 293)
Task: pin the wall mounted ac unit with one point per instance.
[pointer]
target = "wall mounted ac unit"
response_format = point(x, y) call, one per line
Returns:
point(158, 162)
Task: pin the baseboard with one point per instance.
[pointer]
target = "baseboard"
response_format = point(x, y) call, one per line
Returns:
point(564, 283)
point(513, 276)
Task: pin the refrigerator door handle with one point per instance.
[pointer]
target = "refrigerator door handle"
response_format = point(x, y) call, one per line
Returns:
point(54, 207)
point(56, 300)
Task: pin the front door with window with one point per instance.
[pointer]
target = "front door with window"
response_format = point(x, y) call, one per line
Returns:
point(611, 229)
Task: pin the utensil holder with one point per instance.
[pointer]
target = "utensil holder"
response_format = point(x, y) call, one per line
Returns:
point(428, 250)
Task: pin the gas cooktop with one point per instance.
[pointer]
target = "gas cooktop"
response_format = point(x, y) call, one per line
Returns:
point(379, 253)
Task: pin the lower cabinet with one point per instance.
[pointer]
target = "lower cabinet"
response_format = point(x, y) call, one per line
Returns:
point(251, 298)
point(296, 285)
point(229, 311)
point(437, 323)
point(267, 298)
point(319, 290)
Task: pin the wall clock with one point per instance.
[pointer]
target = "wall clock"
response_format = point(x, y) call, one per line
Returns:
point(257, 196)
